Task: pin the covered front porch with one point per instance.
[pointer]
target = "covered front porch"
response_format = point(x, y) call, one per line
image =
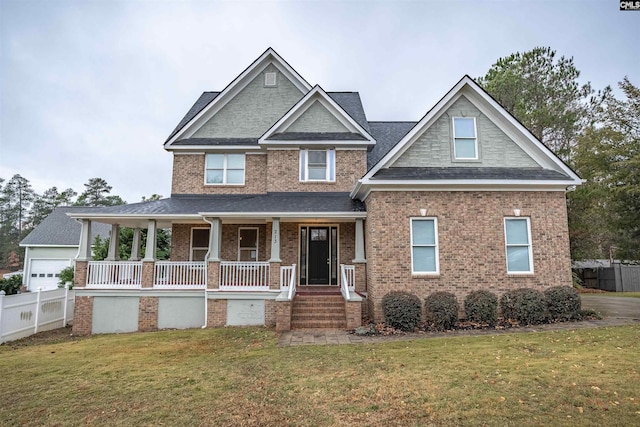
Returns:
point(260, 259)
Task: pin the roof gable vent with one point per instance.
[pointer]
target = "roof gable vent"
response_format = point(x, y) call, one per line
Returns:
point(270, 79)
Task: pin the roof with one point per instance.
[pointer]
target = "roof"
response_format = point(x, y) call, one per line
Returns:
point(387, 135)
point(435, 173)
point(217, 141)
point(58, 229)
point(193, 204)
point(200, 103)
point(351, 103)
point(317, 136)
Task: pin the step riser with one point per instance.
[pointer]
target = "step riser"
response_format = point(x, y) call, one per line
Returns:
point(318, 312)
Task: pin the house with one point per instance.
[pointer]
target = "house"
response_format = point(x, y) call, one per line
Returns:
point(289, 208)
point(53, 246)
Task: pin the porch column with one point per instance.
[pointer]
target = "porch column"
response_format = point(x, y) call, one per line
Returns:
point(84, 251)
point(359, 241)
point(135, 246)
point(274, 261)
point(213, 255)
point(114, 244)
point(149, 259)
point(359, 263)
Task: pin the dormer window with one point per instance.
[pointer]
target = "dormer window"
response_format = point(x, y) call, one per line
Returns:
point(224, 169)
point(317, 165)
point(270, 79)
point(465, 141)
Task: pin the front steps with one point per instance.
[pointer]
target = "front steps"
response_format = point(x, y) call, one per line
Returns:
point(318, 311)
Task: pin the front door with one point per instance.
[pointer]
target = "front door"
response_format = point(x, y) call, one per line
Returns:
point(319, 251)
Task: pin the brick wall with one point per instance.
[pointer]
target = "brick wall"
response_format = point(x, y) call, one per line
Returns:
point(80, 274)
point(148, 314)
point(471, 242)
point(283, 316)
point(216, 313)
point(83, 316)
point(188, 176)
point(181, 241)
point(270, 312)
point(283, 168)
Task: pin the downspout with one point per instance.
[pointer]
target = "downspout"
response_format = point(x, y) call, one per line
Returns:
point(206, 269)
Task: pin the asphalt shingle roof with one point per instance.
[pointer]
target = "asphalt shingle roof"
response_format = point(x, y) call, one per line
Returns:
point(200, 103)
point(217, 141)
point(317, 136)
point(435, 173)
point(59, 229)
point(351, 103)
point(387, 135)
point(247, 203)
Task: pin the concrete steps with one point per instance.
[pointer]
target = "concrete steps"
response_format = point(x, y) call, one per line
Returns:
point(318, 311)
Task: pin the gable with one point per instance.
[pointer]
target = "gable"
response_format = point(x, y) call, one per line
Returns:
point(254, 109)
point(434, 148)
point(316, 119)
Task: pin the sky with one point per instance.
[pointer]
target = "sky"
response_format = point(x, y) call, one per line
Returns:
point(93, 88)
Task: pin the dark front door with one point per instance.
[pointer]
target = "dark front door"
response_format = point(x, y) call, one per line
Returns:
point(319, 260)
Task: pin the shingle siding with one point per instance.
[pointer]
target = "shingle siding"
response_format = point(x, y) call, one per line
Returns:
point(435, 146)
point(317, 119)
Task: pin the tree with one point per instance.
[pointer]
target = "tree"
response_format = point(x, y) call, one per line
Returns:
point(18, 196)
point(97, 194)
point(45, 203)
point(543, 93)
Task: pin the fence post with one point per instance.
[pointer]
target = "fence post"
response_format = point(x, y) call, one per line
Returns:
point(35, 328)
point(66, 302)
point(2, 294)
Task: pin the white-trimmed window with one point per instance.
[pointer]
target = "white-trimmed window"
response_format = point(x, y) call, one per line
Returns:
point(424, 246)
point(318, 165)
point(517, 236)
point(224, 169)
point(199, 244)
point(248, 244)
point(465, 141)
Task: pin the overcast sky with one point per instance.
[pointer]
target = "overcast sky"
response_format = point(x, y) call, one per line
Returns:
point(93, 88)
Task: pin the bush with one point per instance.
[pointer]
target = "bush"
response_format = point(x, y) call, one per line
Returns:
point(481, 307)
point(527, 306)
point(402, 310)
point(563, 303)
point(442, 310)
point(11, 285)
point(66, 275)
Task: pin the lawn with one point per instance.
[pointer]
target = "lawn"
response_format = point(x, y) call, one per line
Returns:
point(238, 376)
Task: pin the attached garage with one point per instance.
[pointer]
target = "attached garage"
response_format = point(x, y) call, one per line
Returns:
point(45, 273)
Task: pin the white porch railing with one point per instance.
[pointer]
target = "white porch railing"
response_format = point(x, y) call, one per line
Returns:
point(288, 280)
point(347, 282)
point(244, 276)
point(180, 275)
point(114, 274)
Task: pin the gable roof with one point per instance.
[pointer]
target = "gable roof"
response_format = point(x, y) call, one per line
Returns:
point(387, 135)
point(200, 103)
point(356, 132)
point(216, 103)
point(58, 229)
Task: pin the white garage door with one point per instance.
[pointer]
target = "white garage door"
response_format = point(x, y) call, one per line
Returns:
point(45, 273)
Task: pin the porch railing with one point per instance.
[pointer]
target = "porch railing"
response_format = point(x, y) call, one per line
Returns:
point(180, 275)
point(114, 274)
point(244, 276)
point(347, 282)
point(288, 280)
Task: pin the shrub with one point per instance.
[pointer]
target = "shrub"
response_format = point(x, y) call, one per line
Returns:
point(563, 303)
point(11, 285)
point(527, 306)
point(66, 275)
point(481, 307)
point(402, 310)
point(442, 310)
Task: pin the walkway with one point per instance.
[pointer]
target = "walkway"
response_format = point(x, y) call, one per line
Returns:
point(612, 306)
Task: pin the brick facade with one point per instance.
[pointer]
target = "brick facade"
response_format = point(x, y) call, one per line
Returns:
point(80, 274)
point(216, 313)
point(83, 316)
point(471, 242)
point(283, 316)
point(270, 312)
point(148, 314)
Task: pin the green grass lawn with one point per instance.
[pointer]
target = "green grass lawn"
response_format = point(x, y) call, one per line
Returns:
point(240, 377)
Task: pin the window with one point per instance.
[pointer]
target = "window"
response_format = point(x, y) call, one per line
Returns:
point(247, 244)
point(465, 143)
point(318, 165)
point(518, 245)
point(199, 243)
point(424, 246)
point(224, 169)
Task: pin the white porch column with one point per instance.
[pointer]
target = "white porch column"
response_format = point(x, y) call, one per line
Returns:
point(359, 241)
point(275, 241)
point(150, 248)
point(215, 239)
point(84, 251)
point(114, 244)
point(135, 245)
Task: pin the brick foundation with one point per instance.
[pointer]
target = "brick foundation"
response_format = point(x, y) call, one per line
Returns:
point(148, 314)
point(83, 315)
point(80, 274)
point(353, 311)
point(270, 312)
point(216, 313)
point(283, 316)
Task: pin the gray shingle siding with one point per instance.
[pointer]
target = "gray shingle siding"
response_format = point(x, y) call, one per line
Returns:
point(317, 119)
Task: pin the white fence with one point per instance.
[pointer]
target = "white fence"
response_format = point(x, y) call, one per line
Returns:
point(114, 274)
point(244, 276)
point(25, 314)
point(180, 275)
